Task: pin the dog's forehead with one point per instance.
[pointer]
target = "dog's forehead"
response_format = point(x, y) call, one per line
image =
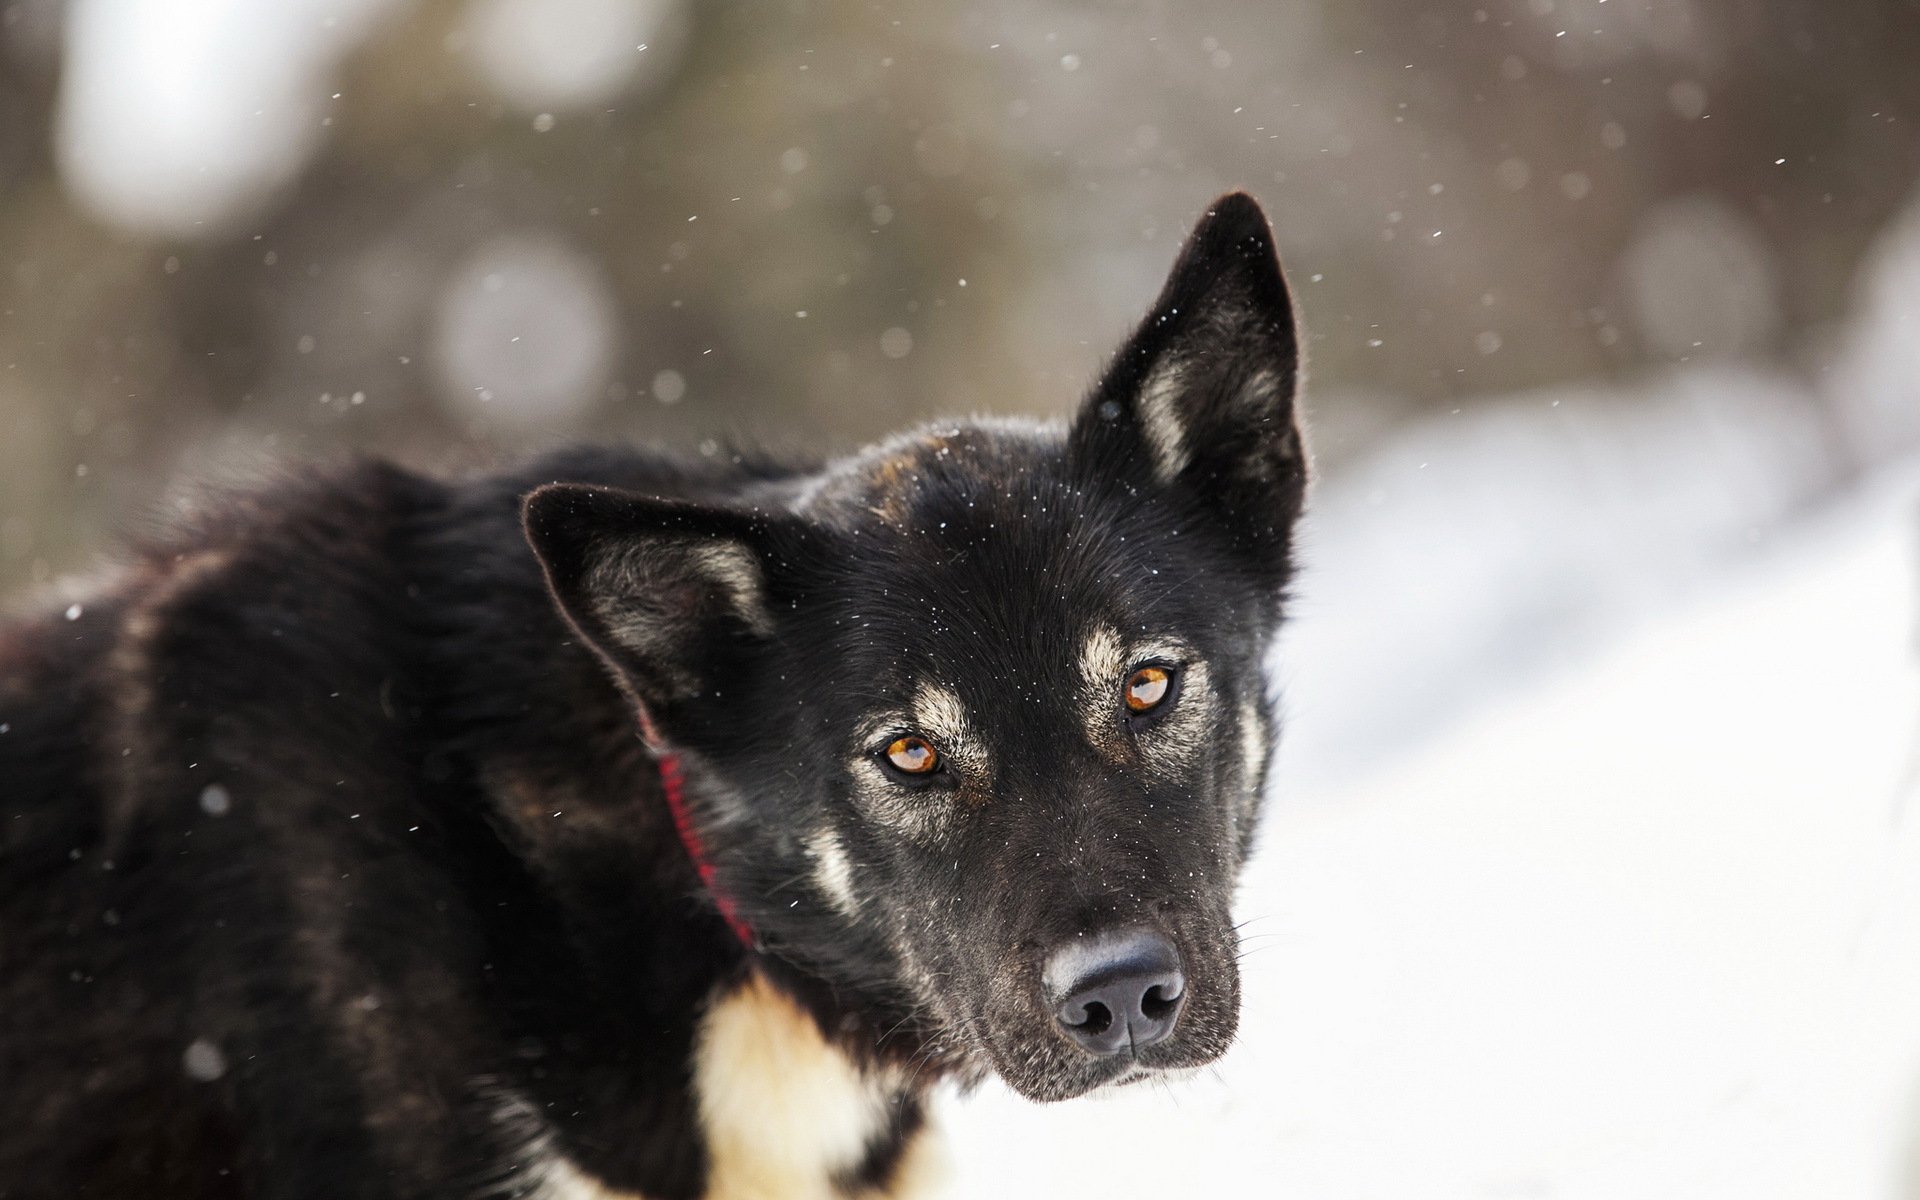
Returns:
point(976, 615)
point(903, 481)
point(981, 573)
point(984, 571)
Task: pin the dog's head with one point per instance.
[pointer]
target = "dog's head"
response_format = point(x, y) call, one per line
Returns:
point(978, 716)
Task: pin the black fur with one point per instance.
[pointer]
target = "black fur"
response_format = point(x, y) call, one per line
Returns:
point(334, 862)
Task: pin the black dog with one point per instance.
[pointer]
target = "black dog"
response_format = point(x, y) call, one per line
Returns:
point(355, 848)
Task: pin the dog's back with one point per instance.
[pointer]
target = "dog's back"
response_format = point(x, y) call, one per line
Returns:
point(185, 756)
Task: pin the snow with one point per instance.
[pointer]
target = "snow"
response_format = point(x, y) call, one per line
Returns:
point(181, 118)
point(1875, 385)
point(575, 54)
point(216, 800)
point(1700, 280)
point(1470, 552)
point(1642, 928)
point(203, 1061)
point(527, 332)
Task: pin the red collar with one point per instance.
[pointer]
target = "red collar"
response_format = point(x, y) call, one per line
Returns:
point(673, 782)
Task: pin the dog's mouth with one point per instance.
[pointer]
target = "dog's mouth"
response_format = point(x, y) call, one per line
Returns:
point(1129, 1076)
point(1130, 1021)
point(1138, 1075)
point(1070, 1078)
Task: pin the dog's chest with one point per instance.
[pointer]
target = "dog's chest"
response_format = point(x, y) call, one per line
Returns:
point(786, 1115)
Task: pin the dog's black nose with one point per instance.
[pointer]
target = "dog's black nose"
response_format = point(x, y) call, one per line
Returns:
point(1117, 992)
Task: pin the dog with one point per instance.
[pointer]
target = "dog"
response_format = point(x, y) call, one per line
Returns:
point(645, 825)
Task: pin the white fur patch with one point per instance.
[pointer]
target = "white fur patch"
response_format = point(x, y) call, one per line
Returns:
point(833, 871)
point(1160, 420)
point(737, 572)
point(135, 678)
point(561, 1180)
point(624, 588)
point(1103, 662)
point(1262, 390)
point(939, 714)
point(1254, 750)
point(1171, 650)
point(539, 1171)
point(784, 1111)
point(1103, 656)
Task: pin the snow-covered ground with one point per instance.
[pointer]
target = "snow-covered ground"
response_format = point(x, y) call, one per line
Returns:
point(1647, 927)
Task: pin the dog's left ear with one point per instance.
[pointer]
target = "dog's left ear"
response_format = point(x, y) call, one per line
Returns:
point(1201, 398)
point(673, 596)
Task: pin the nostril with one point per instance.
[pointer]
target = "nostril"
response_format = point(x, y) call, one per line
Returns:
point(1098, 1020)
point(1161, 1000)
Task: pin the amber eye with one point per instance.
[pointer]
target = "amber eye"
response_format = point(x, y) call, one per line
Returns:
point(913, 756)
point(1147, 687)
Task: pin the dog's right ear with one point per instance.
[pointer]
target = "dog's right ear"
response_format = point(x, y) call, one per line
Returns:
point(671, 595)
point(1202, 398)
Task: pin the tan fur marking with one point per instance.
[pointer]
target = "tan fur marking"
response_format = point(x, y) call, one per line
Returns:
point(883, 726)
point(921, 1172)
point(784, 1111)
point(1261, 392)
point(1160, 420)
point(891, 478)
point(1103, 660)
point(1103, 655)
point(622, 585)
point(735, 569)
point(1169, 744)
point(941, 715)
point(832, 871)
point(131, 666)
point(1253, 752)
point(1168, 649)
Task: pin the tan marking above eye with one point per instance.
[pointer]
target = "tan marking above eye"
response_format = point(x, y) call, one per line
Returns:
point(1147, 687)
point(913, 755)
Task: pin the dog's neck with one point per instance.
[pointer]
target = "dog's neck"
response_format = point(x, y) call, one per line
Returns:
point(630, 1010)
point(618, 971)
